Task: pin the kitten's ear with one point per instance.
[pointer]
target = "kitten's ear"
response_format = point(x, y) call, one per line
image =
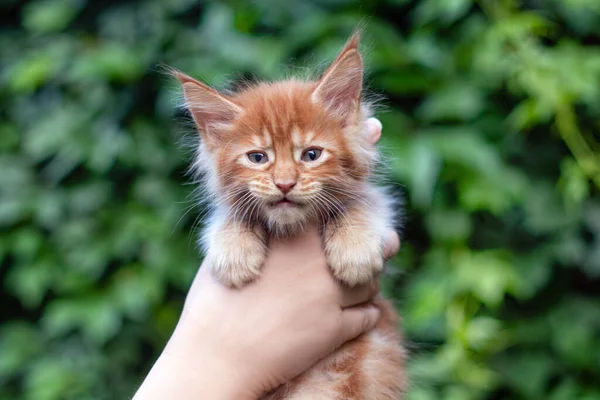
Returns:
point(208, 107)
point(340, 87)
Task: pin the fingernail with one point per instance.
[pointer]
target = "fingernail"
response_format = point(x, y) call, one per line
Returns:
point(376, 123)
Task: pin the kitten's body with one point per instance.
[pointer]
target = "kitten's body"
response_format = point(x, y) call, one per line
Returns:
point(370, 367)
point(279, 156)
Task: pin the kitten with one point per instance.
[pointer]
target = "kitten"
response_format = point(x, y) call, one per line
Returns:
point(278, 156)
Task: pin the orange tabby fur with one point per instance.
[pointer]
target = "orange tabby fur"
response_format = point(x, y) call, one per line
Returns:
point(257, 157)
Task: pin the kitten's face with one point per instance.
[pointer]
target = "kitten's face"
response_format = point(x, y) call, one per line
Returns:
point(287, 152)
point(287, 159)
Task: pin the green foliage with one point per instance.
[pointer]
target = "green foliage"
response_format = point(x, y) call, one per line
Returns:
point(491, 119)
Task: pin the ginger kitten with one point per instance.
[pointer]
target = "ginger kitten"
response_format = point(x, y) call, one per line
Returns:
point(278, 156)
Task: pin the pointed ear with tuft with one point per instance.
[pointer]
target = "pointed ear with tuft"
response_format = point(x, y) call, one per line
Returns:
point(209, 108)
point(340, 87)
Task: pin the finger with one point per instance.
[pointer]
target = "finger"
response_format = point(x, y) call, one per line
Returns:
point(307, 238)
point(374, 128)
point(306, 245)
point(359, 294)
point(357, 320)
point(391, 244)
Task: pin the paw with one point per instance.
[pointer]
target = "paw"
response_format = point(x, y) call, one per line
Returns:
point(354, 260)
point(236, 265)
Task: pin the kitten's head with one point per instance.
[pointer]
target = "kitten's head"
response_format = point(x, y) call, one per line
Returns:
point(286, 152)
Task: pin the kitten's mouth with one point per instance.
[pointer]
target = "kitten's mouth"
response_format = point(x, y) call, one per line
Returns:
point(285, 202)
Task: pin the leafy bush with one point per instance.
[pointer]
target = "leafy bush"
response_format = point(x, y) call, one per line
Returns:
point(490, 124)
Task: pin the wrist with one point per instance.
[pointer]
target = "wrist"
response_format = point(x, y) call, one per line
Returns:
point(223, 373)
point(189, 369)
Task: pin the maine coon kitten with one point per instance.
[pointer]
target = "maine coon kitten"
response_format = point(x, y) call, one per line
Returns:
point(277, 156)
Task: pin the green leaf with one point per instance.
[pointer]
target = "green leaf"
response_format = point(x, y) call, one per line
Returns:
point(449, 225)
point(96, 317)
point(45, 16)
point(111, 61)
point(136, 290)
point(481, 331)
point(459, 101)
point(573, 183)
point(49, 380)
point(418, 165)
point(30, 73)
point(442, 11)
point(487, 274)
point(30, 282)
point(528, 372)
point(19, 344)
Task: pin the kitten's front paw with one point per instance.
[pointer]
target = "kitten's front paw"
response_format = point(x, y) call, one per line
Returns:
point(354, 262)
point(237, 264)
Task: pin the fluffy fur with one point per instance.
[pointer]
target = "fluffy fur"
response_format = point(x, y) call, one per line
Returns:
point(278, 156)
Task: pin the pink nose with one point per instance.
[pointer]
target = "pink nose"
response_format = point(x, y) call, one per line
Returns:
point(285, 187)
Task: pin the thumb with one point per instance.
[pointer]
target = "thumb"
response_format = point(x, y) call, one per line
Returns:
point(357, 320)
point(391, 244)
point(373, 132)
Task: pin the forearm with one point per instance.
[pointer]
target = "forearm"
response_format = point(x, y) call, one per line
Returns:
point(182, 373)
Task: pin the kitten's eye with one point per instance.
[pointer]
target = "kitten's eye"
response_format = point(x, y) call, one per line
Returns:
point(258, 158)
point(311, 155)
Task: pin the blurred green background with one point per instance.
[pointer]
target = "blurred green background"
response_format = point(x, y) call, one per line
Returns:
point(490, 121)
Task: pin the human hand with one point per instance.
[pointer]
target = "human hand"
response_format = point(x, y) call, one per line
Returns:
point(239, 344)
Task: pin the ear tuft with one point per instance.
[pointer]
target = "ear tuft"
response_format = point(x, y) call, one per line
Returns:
point(208, 107)
point(340, 87)
point(351, 44)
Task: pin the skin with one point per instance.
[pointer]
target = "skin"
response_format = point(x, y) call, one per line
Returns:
point(241, 343)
